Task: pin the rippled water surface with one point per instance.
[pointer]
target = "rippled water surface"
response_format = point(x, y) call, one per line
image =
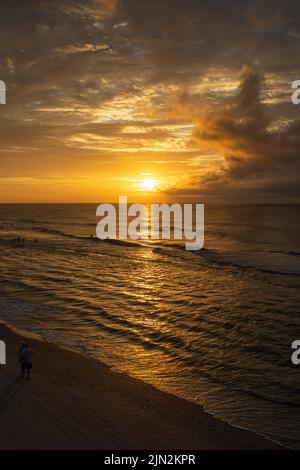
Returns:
point(215, 326)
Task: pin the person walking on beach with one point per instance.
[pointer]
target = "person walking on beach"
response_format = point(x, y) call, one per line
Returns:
point(23, 344)
point(25, 358)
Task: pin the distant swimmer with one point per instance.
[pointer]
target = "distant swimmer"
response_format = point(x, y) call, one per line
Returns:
point(25, 358)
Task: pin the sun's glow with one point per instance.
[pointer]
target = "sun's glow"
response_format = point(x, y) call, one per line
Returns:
point(148, 184)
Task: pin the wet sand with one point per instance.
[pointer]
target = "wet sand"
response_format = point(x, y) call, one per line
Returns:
point(72, 402)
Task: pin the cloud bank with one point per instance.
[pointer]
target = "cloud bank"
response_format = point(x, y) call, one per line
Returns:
point(198, 93)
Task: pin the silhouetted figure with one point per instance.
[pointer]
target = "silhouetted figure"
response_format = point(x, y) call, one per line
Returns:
point(23, 345)
point(25, 358)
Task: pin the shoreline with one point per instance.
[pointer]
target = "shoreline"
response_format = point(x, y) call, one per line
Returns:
point(74, 402)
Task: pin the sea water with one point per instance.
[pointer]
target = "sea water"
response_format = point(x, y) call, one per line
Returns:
point(214, 326)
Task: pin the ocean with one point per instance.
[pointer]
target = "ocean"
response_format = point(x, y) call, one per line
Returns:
point(213, 326)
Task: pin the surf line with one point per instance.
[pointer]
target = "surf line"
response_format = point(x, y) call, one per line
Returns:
point(2, 92)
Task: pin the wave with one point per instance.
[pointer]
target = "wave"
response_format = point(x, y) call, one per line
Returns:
point(53, 231)
point(272, 399)
point(292, 253)
point(260, 261)
point(274, 262)
point(91, 238)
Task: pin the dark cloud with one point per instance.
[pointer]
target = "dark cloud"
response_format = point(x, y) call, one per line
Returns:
point(199, 34)
point(259, 156)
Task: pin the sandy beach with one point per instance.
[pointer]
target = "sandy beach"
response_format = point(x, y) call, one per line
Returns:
point(72, 402)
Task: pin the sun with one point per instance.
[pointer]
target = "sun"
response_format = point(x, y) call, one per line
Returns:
point(148, 184)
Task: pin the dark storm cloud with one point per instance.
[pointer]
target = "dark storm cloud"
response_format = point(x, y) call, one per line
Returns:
point(200, 34)
point(259, 155)
point(176, 39)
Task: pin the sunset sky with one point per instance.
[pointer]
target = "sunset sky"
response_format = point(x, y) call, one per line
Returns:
point(169, 99)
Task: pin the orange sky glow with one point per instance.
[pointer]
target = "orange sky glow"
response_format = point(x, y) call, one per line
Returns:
point(106, 98)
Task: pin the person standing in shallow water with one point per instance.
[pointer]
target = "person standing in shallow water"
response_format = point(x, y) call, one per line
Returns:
point(25, 358)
